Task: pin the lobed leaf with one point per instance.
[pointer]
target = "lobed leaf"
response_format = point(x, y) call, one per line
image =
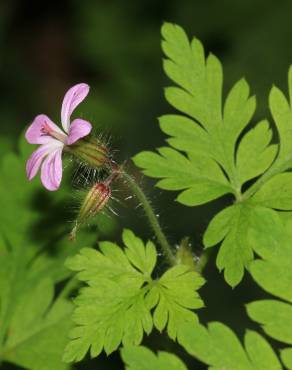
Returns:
point(286, 356)
point(276, 193)
point(218, 347)
point(256, 141)
point(272, 241)
point(217, 159)
point(282, 115)
point(35, 321)
point(141, 358)
point(115, 305)
point(206, 133)
point(232, 225)
point(201, 179)
point(175, 294)
point(35, 326)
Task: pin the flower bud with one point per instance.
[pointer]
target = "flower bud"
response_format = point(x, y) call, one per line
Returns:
point(94, 202)
point(91, 151)
point(184, 255)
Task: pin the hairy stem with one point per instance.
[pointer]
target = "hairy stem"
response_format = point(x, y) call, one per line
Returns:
point(152, 218)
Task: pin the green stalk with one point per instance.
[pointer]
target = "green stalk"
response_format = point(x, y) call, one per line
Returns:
point(152, 218)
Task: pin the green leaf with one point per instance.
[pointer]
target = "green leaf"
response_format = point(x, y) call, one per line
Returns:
point(272, 242)
point(235, 253)
point(141, 358)
point(207, 135)
point(34, 326)
point(256, 141)
point(282, 115)
point(201, 176)
point(271, 239)
point(276, 193)
point(115, 305)
point(143, 258)
point(233, 225)
point(185, 134)
point(201, 81)
point(38, 344)
point(219, 348)
point(238, 111)
point(274, 316)
point(219, 226)
point(260, 352)
point(34, 322)
point(216, 160)
point(286, 356)
point(175, 294)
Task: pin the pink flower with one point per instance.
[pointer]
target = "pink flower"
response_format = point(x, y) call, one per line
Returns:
point(52, 139)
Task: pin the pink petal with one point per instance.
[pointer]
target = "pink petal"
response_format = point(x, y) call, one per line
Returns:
point(72, 99)
point(35, 133)
point(78, 129)
point(51, 172)
point(36, 158)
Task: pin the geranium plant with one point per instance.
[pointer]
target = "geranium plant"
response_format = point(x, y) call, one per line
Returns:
point(114, 295)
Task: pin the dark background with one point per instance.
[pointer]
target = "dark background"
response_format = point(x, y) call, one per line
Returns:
point(114, 46)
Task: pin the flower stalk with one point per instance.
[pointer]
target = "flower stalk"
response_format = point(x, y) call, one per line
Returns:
point(150, 214)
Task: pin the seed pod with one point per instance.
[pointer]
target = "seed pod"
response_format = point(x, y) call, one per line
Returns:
point(95, 200)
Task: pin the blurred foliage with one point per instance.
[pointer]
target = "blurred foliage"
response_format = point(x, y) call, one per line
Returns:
point(115, 47)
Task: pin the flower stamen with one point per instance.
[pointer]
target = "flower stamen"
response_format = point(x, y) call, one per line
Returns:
point(47, 130)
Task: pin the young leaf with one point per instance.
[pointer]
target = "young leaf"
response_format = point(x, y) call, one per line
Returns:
point(141, 358)
point(272, 241)
point(115, 306)
point(219, 348)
